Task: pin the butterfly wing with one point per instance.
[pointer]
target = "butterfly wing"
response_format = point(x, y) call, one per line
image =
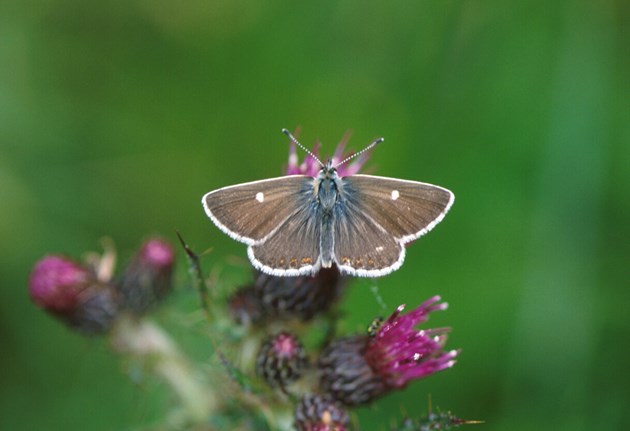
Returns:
point(378, 215)
point(294, 248)
point(361, 246)
point(250, 212)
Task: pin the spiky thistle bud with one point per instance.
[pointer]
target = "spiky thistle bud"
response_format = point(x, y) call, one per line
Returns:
point(281, 359)
point(301, 297)
point(320, 413)
point(287, 297)
point(148, 277)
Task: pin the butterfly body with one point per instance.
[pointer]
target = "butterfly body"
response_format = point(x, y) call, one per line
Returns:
point(327, 188)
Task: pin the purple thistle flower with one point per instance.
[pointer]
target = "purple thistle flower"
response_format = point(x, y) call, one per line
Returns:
point(399, 353)
point(157, 253)
point(72, 293)
point(56, 283)
point(356, 370)
point(310, 166)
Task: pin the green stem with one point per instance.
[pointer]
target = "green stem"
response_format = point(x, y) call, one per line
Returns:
point(147, 342)
point(197, 276)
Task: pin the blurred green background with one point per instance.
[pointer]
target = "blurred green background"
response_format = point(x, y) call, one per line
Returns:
point(116, 117)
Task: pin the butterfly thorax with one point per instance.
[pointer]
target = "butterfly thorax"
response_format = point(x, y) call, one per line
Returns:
point(327, 186)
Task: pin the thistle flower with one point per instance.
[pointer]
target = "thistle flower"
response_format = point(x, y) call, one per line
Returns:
point(281, 359)
point(148, 277)
point(287, 297)
point(356, 370)
point(72, 293)
point(320, 413)
point(311, 167)
point(302, 297)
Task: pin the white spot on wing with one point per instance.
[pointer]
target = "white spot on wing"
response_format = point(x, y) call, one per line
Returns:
point(260, 197)
point(379, 248)
point(395, 195)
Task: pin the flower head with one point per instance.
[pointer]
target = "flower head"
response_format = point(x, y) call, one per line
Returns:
point(311, 166)
point(320, 413)
point(358, 369)
point(281, 359)
point(157, 253)
point(287, 297)
point(148, 277)
point(73, 294)
point(56, 283)
point(399, 353)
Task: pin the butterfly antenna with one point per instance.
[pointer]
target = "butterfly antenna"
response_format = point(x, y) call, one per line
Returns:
point(369, 147)
point(295, 141)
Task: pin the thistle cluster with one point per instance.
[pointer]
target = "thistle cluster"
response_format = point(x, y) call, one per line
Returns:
point(277, 351)
point(89, 297)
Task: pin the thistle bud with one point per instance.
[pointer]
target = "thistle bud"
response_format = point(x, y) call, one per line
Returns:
point(148, 277)
point(72, 293)
point(281, 359)
point(287, 297)
point(320, 413)
point(301, 297)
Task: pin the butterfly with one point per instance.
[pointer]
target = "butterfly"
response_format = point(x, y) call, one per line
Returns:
point(297, 224)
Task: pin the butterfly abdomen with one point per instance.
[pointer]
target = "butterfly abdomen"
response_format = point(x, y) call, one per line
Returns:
point(326, 241)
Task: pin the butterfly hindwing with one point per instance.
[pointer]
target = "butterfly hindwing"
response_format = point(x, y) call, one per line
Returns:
point(361, 246)
point(294, 248)
point(404, 209)
point(252, 211)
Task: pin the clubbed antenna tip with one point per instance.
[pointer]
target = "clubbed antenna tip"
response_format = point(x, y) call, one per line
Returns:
point(369, 147)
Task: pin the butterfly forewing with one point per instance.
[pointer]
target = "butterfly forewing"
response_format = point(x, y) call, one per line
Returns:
point(361, 246)
point(294, 248)
point(404, 209)
point(252, 211)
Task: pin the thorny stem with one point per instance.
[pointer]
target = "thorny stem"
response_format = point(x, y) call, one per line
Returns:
point(245, 393)
point(197, 277)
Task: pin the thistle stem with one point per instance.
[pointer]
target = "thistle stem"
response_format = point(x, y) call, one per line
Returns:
point(197, 276)
point(147, 342)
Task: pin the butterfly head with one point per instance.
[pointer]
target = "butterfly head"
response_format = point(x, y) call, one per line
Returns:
point(327, 186)
point(337, 166)
point(328, 171)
